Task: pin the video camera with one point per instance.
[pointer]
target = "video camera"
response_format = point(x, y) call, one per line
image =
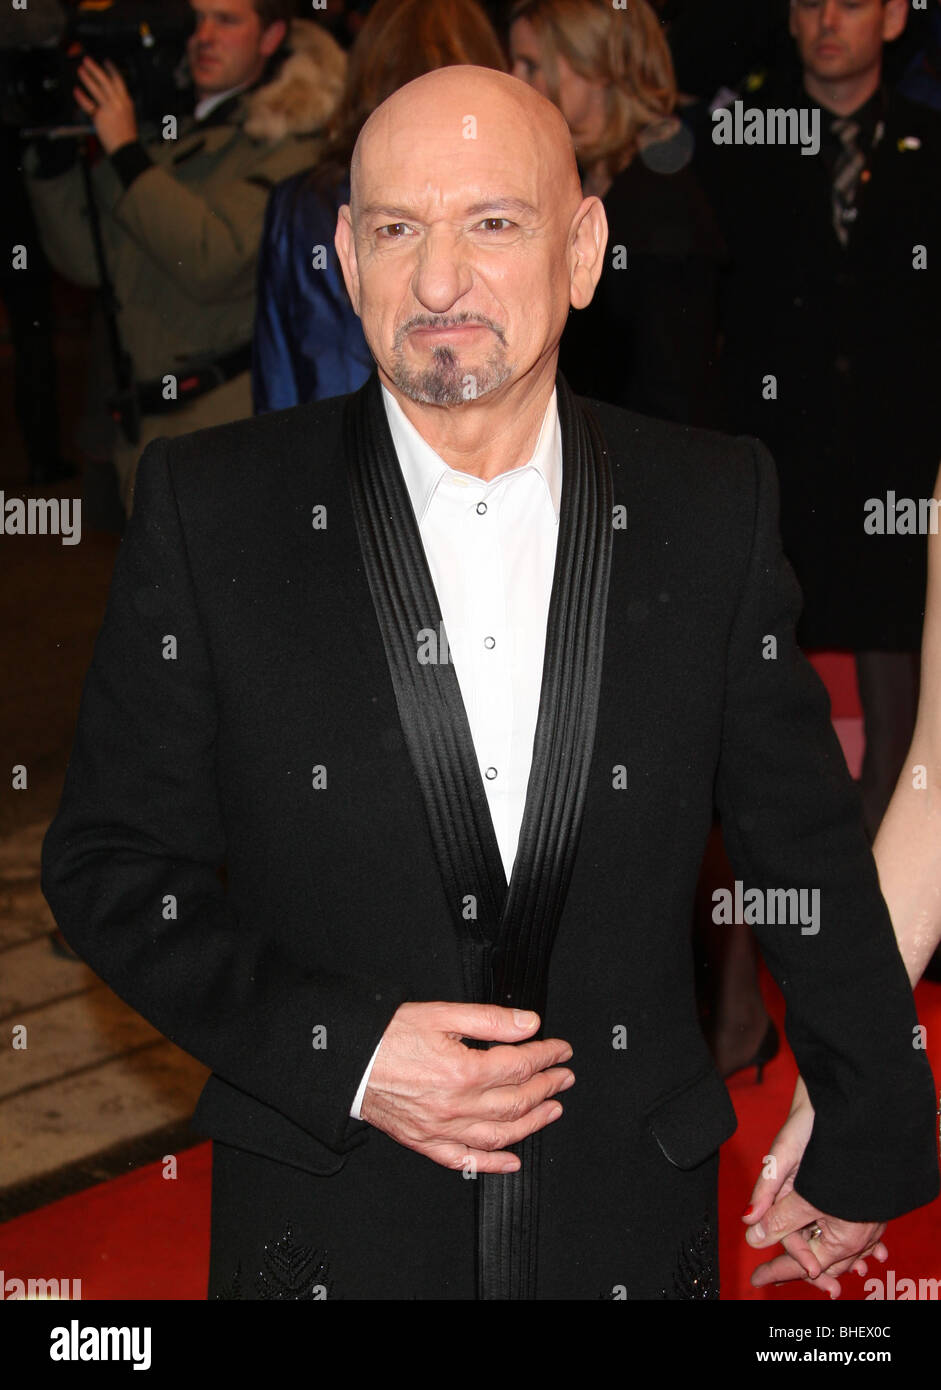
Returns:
point(146, 41)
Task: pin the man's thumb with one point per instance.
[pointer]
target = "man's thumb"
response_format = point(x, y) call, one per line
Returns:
point(491, 1023)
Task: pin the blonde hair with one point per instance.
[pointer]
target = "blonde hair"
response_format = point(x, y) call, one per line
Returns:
point(625, 49)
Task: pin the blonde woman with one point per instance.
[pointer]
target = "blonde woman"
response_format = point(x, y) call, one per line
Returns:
point(907, 852)
point(647, 339)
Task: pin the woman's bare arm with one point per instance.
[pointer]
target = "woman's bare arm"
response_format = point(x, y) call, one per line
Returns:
point(907, 848)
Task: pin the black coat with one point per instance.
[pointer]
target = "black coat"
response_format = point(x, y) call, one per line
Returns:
point(852, 340)
point(647, 340)
point(334, 912)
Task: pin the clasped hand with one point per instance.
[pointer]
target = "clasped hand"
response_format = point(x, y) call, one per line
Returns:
point(462, 1106)
point(778, 1214)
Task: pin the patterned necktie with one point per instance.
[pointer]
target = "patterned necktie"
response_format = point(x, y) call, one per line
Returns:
point(849, 165)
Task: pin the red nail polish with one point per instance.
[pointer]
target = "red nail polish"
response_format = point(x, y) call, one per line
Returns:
point(749, 1209)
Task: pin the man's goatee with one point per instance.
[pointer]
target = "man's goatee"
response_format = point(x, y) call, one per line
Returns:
point(444, 383)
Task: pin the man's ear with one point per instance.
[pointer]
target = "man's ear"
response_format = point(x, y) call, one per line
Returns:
point(791, 20)
point(272, 38)
point(894, 19)
point(345, 244)
point(588, 239)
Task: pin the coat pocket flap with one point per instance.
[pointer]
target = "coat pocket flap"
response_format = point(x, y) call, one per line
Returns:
point(691, 1123)
point(225, 1113)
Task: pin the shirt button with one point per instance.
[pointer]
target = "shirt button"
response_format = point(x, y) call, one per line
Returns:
point(490, 643)
point(481, 508)
point(490, 773)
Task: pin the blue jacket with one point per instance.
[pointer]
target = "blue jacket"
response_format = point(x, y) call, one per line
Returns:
point(308, 343)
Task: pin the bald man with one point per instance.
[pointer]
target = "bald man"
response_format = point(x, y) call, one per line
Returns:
point(448, 673)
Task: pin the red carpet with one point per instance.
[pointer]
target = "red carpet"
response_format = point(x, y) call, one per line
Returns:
point(913, 1241)
point(837, 670)
point(143, 1236)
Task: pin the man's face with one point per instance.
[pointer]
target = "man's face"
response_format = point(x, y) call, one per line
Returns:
point(457, 261)
point(839, 39)
point(228, 47)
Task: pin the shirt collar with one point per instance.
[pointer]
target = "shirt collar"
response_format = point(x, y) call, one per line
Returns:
point(868, 116)
point(423, 469)
point(206, 105)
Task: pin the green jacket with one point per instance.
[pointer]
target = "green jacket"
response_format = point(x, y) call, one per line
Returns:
point(182, 218)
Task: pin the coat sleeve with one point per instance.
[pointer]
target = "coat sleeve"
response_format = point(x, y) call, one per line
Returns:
point(206, 240)
point(791, 819)
point(130, 864)
point(60, 207)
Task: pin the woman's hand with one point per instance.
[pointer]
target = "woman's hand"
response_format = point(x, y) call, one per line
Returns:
point(779, 1169)
point(781, 1164)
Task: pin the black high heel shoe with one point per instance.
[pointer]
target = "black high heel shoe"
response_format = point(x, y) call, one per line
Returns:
point(768, 1049)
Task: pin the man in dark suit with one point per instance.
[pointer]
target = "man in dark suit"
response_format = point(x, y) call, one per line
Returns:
point(449, 672)
point(830, 318)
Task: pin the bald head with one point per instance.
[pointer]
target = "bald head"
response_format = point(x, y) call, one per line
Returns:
point(467, 237)
point(441, 113)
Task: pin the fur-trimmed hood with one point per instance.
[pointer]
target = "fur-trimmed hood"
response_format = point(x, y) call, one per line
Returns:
point(301, 97)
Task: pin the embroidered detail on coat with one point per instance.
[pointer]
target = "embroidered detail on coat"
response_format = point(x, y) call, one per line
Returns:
point(288, 1271)
point(696, 1273)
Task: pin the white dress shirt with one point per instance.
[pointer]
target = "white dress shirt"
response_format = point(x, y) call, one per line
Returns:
point(491, 552)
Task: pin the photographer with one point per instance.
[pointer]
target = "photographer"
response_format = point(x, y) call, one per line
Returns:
point(181, 213)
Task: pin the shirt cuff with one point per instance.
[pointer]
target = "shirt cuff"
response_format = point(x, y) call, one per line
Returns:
point(129, 161)
point(358, 1098)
